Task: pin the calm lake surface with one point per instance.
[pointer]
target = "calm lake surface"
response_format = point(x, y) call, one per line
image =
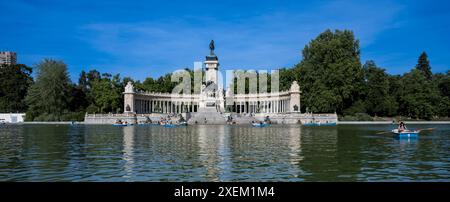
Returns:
point(221, 153)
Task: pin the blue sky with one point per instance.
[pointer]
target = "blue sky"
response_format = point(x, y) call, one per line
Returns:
point(152, 38)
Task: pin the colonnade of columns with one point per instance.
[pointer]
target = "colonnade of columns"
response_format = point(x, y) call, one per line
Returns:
point(270, 106)
point(162, 106)
point(168, 107)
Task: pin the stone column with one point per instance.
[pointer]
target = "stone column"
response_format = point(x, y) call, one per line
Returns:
point(153, 106)
point(170, 107)
point(145, 106)
point(276, 106)
point(165, 107)
point(263, 107)
point(272, 106)
point(138, 106)
point(266, 106)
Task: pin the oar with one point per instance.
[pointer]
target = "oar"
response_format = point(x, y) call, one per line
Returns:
point(384, 132)
point(425, 129)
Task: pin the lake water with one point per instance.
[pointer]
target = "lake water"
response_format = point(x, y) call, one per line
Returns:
point(221, 153)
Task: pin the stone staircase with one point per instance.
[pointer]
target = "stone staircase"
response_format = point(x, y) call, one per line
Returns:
point(243, 119)
point(207, 116)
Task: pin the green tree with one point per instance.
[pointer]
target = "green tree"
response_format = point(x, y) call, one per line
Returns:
point(424, 65)
point(48, 98)
point(106, 92)
point(14, 83)
point(287, 76)
point(419, 97)
point(330, 73)
point(378, 100)
point(443, 85)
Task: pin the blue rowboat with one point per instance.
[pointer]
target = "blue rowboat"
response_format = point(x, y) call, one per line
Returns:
point(260, 125)
point(169, 125)
point(120, 124)
point(405, 133)
point(320, 124)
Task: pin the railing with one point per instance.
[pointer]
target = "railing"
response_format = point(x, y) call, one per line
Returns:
point(157, 94)
point(261, 95)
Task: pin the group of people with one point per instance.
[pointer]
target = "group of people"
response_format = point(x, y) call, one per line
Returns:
point(118, 121)
point(168, 119)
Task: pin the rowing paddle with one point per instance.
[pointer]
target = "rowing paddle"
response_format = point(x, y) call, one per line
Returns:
point(384, 132)
point(425, 129)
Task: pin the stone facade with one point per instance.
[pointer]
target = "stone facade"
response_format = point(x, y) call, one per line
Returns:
point(211, 105)
point(212, 98)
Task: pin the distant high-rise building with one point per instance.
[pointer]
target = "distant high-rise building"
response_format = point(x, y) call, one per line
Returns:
point(8, 58)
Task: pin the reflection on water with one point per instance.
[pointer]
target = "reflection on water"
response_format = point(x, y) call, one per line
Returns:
point(214, 153)
point(220, 153)
point(128, 144)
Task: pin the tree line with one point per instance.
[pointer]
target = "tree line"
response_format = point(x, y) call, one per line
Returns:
point(332, 79)
point(330, 73)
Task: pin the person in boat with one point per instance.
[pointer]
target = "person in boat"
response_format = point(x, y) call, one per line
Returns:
point(402, 127)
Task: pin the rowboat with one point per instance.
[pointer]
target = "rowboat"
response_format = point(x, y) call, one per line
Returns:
point(406, 133)
point(169, 125)
point(120, 124)
point(320, 124)
point(260, 124)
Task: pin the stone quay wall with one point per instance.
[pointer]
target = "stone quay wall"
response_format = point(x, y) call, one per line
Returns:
point(108, 118)
point(130, 118)
point(281, 118)
point(298, 118)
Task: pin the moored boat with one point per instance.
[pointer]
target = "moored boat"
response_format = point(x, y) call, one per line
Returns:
point(169, 125)
point(320, 124)
point(120, 124)
point(260, 124)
